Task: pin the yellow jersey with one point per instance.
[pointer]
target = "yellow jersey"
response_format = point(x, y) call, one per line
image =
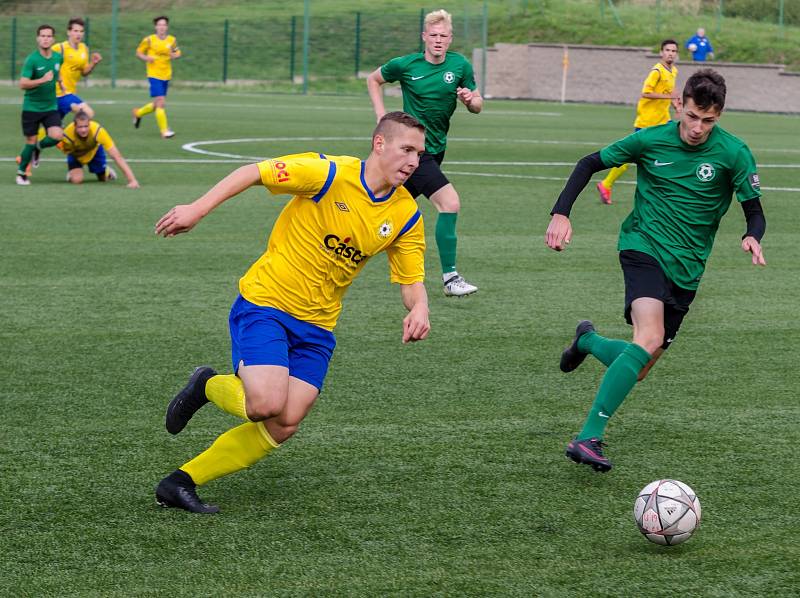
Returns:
point(83, 150)
point(71, 67)
point(160, 49)
point(650, 113)
point(326, 234)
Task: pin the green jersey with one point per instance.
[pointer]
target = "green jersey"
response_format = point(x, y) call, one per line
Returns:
point(43, 97)
point(682, 192)
point(429, 91)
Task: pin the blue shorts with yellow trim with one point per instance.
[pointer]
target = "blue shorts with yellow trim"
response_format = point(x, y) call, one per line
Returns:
point(96, 166)
point(65, 103)
point(268, 336)
point(158, 87)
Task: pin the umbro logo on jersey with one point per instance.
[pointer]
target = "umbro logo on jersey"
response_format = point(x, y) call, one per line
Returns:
point(342, 206)
point(413, 78)
point(657, 163)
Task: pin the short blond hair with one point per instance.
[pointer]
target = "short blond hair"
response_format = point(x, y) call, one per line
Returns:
point(439, 16)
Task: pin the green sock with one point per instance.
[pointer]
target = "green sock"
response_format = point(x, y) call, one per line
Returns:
point(47, 141)
point(446, 240)
point(604, 349)
point(620, 378)
point(25, 157)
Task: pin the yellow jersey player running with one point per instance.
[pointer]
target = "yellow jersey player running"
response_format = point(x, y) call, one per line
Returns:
point(344, 211)
point(78, 62)
point(86, 143)
point(158, 51)
point(658, 92)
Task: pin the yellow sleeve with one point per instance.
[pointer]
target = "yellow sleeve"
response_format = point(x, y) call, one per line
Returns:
point(104, 139)
point(407, 253)
point(651, 81)
point(144, 45)
point(297, 174)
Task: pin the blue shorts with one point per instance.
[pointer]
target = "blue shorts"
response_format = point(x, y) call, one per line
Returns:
point(65, 103)
point(158, 87)
point(96, 166)
point(268, 336)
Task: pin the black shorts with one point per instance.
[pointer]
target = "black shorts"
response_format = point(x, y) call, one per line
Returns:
point(428, 178)
point(645, 278)
point(32, 120)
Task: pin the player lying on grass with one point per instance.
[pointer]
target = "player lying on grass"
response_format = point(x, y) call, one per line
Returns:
point(343, 212)
point(687, 173)
point(86, 143)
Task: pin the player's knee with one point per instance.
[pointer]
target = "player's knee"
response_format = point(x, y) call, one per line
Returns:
point(76, 177)
point(650, 340)
point(57, 134)
point(261, 406)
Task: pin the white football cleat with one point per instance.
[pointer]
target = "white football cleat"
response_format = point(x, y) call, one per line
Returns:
point(111, 174)
point(168, 134)
point(22, 180)
point(456, 286)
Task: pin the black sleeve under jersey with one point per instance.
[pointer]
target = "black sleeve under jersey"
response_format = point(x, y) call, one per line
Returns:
point(754, 214)
point(578, 180)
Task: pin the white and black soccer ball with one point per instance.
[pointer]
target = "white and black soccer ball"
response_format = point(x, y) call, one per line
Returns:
point(692, 47)
point(667, 512)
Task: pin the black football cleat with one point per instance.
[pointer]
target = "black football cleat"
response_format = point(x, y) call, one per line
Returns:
point(190, 398)
point(589, 452)
point(178, 491)
point(572, 357)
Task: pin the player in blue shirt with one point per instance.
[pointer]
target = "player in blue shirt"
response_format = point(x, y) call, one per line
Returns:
point(700, 46)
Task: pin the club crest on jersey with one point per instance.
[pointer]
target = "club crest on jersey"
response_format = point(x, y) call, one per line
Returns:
point(385, 229)
point(449, 77)
point(705, 172)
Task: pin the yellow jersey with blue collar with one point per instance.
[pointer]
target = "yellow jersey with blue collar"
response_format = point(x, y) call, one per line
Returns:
point(326, 233)
point(84, 150)
point(75, 60)
point(650, 113)
point(160, 49)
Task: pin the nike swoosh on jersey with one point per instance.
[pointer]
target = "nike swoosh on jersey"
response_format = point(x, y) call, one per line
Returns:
point(601, 414)
point(413, 78)
point(657, 163)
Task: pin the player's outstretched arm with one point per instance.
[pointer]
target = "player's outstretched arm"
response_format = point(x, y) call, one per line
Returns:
point(183, 218)
point(416, 324)
point(374, 82)
point(123, 164)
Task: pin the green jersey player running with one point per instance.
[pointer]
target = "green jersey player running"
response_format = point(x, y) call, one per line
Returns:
point(687, 173)
point(432, 81)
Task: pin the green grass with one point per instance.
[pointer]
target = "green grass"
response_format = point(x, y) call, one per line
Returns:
point(432, 469)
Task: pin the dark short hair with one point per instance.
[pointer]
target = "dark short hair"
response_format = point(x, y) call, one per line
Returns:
point(667, 42)
point(75, 21)
point(707, 88)
point(42, 27)
point(400, 118)
point(81, 115)
point(157, 19)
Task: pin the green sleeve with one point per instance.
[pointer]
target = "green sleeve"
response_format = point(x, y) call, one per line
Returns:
point(393, 70)
point(468, 79)
point(745, 179)
point(27, 68)
point(624, 151)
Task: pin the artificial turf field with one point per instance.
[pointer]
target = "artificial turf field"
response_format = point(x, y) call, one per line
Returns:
point(429, 469)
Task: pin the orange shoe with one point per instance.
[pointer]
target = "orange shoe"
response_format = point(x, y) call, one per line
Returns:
point(605, 193)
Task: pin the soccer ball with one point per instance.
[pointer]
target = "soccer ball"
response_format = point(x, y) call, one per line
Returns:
point(667, 512)
point(692, 47)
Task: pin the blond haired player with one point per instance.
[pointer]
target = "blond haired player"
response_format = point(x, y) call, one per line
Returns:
point(158, 51)
point(343, 212)
point(433, 82)
point(658, 93)
point(86, 143)
point(78, 62)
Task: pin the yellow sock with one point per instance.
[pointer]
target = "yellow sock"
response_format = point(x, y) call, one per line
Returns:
point(236, 449)
point(146, 109)
point(227, 393)
point(613, 175)
point(161, 119)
